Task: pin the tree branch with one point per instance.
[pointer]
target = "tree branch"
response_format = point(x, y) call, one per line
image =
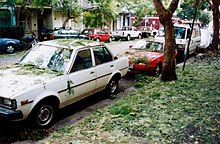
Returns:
point(158, 4)
point(173, 6)
point(210, 3)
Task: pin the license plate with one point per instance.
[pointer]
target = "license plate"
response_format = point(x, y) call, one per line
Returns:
point(130, 66)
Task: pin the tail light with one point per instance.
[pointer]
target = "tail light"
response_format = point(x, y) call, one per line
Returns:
point(52, 37)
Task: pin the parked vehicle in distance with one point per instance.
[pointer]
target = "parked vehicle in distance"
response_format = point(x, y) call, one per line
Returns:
point(127, 33)
point(145, 56)
point(97, 34)
point(54, 74)
point(63, 33)
point(206, 39)
point(182, 34)
point(145, 31)
point(9, 45)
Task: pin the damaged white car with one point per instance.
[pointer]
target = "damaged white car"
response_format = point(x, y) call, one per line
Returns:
point(54, 74)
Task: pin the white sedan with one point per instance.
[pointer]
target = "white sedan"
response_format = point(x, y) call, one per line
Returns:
point(54, 74)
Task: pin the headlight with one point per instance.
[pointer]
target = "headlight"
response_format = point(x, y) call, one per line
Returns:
point(10, 103)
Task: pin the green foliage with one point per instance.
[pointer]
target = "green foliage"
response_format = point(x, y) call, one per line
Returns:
point(141, 60)
point(67, 7)
point(104, 11)
point(141, 80)
point(187, 11)
point(15, 32)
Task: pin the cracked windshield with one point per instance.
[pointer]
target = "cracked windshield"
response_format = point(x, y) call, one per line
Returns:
point(44, 56)
point(148, 46)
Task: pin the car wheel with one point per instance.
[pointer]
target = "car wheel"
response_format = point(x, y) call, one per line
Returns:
point(112, 86)
point(157, 70)
point(128, 38)
point(110, 39)
point(139, 36)
point(10, 48)
point(44, 115)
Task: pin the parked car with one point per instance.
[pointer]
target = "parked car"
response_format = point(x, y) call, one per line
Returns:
point(145, 31)
point(9, 45)
point(145, 56)
point(63, 33)
point(54, 74)
point(182, 35)
point(127, 33)
point(97, 34)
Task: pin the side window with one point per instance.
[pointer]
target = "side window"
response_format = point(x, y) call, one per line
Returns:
point(102, 55)
point(82, 61)
point(193, 33)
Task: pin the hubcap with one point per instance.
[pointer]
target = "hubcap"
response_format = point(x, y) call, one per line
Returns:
point(157, 70)
point(10, 49)
point(113, 86)
point(45, 115)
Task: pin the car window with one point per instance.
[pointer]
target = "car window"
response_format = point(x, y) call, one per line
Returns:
point(44, 56)
point(82, 61)
point(180, 32)
point(154, 47)
point(87, 31)
point(102, 55)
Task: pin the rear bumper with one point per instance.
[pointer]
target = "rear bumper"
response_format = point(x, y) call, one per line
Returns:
point(10, 114)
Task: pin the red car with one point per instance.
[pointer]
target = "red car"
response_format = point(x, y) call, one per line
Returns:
point(146, 56)
point(97, 34)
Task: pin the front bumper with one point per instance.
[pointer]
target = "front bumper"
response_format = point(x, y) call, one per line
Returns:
point(10, 114)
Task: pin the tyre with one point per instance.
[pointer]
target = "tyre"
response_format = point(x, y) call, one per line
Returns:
point(128, 38)
point(10, 48)
point(112, 86)
point(139, 36)
point(44, 114)
point(157, 70)
point(110, 39)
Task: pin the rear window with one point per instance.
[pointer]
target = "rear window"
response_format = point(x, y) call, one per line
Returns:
point(87, 31)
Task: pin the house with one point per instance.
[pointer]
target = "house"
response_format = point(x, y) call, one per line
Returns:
point(7, 17)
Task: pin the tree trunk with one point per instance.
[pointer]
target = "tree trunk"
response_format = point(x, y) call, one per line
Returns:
point(67, 19)
point(168, 72)
point(165, 16)
point(215, 12)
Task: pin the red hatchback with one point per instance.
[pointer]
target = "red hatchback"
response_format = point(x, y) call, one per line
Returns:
point(146, 56)
point(97, 34)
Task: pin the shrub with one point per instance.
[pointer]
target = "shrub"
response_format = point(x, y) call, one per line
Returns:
point(15, 32)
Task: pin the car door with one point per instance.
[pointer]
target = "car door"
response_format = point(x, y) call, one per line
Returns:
point(104, 66)
point(105, 35)
point(82, 76)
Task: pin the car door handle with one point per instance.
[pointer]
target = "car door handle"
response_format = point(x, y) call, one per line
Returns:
point(92, 72)
point(112, 66)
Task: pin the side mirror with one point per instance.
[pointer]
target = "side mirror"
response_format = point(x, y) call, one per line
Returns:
point(130, 46)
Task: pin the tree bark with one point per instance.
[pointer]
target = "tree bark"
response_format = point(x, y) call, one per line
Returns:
point(215, 12)
point(165, 16)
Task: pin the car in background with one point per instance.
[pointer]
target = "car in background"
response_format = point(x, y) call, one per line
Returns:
point(97, 34)
point(145, 56)
point(145, 31)
point(54, 74)
point(9, 45)
point(63, 33)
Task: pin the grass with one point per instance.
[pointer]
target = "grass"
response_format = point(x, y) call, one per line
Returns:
point(183, 111)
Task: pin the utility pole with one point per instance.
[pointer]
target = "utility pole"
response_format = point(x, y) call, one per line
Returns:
point(196, 3)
